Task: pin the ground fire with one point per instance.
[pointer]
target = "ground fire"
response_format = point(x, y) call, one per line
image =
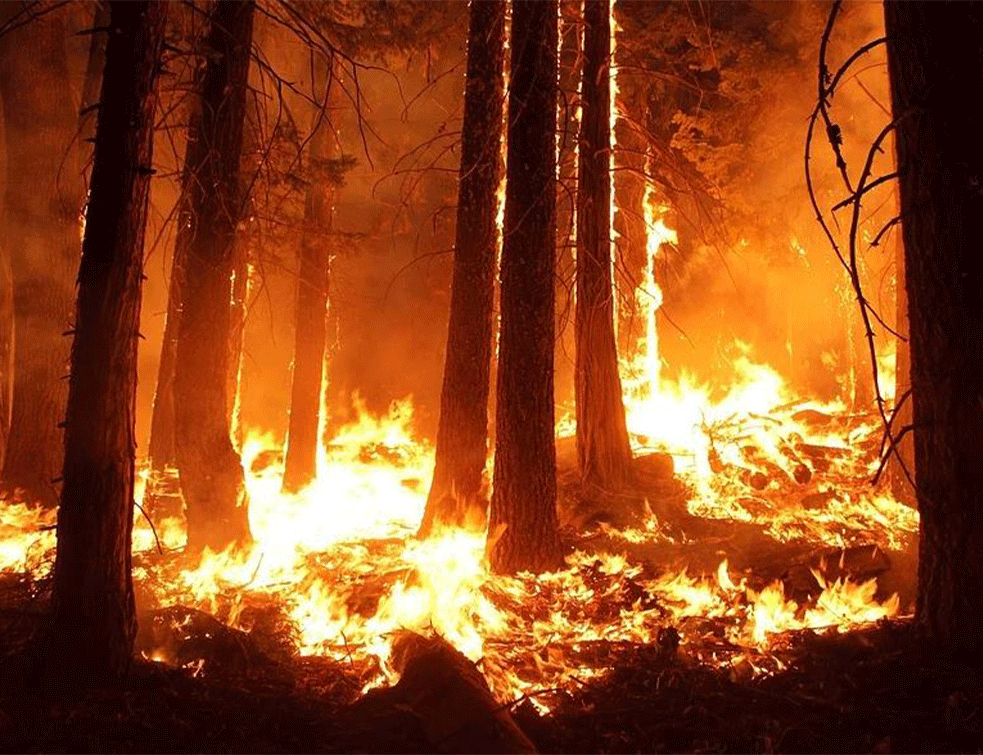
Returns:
point(503, 376)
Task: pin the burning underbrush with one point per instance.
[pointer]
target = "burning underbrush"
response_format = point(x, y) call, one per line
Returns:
point(768, 528)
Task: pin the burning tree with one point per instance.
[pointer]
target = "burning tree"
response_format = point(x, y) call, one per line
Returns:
point(523, 531)
point(462, 435)
point(209, 466)
point(934, 51)
point(603, 451)
point(42, 216)
point(93, 616)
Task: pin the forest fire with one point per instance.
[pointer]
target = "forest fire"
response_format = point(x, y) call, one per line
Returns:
point(341, 560)
point(428, 376)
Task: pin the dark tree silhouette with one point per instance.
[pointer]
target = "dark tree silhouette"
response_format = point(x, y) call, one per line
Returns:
point(6, 349)
point(41, 218)
point(312, 297)
point(603, 451)
point(161, 447)
point(902, 382)
point(523, 529)
point(91, 85)
point(934, 54)
point(93, 622)
point(462, 434)
point(209, 466)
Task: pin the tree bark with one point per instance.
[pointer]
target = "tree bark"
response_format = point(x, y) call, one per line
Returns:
point(934, 54)
point(209, 467)
point(242, 255)
point(90, 88)
point(161, 452)
point(902, 380)
point(603, 450)
point(523, 531)
point(6, 350)
point(93, 621)
point(312, 298)
point(462, 435)
point(42, 220)
point(568, 123)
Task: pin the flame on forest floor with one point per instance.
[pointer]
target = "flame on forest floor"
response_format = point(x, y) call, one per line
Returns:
point(340, 559)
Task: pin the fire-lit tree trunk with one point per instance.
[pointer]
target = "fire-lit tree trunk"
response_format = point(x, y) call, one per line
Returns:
point(603, 451)
point(161, 452)
point(934, 54)
point(523, 530)
point(237, 327)
point(312, 297)
point(6, 349)
point(93, 621)
point(462, 435)
point(568, 119)
point(902, 381)
point(209, 467)
point(41, 234)
point(91, 86)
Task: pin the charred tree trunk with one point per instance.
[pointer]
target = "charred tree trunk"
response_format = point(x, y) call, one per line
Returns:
point(462, 435)
point(93, 621)
point(934, 54)
point(312, 298)
point(42, 233)
point(603, 451)
point(209, 467)
point(523, 531)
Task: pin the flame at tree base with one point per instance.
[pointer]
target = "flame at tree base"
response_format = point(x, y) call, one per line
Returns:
point(341, 561)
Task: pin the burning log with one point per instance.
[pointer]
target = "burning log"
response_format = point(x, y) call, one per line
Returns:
point(451, 699)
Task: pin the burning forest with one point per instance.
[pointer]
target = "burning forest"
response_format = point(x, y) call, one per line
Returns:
point(503, 376)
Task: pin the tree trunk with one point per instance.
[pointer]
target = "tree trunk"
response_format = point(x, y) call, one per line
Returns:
point(462, 434)
point(90, 88)
point(523, 531)
point(934, 54)
point(161, 452)
point(93, 621)
point(209, 467)
point(312, 297)
point(42, 234)
point(568, 123)
point(237, 329)
point(603, 451)
point(902, 380)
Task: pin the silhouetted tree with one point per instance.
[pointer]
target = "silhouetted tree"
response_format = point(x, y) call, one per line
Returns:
point(312, 295)
point(603, 451)
point(41, 230)
point(209, 466)
point(93, 621)
point(462, 434)
point(934, 55)
point(523, 530)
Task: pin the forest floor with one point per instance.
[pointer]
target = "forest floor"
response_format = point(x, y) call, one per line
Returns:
point(864, 691)
point(870, 690)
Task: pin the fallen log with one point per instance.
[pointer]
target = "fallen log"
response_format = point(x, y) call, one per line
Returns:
point(451, 699)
